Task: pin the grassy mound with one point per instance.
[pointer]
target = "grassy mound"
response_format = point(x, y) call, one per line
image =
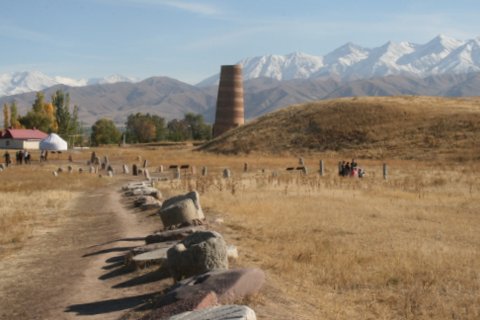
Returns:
point(370, 127)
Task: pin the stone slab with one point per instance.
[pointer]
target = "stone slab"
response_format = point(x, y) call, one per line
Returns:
point(169, 306)
point(230, 312)
point(228, 285)
point(176, 234)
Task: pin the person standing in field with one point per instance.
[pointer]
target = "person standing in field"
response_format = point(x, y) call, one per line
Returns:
point(7, 158)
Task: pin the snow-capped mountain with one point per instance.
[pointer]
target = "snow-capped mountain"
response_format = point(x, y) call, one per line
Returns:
point(441, 55)
point(27, 81)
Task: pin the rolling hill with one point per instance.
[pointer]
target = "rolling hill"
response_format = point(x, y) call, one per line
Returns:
point(372, 127)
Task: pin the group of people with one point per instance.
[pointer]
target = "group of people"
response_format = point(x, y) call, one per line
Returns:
point(21, 157)
point(350, 169)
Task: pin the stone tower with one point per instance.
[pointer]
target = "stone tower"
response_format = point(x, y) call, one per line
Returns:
point(230, 111)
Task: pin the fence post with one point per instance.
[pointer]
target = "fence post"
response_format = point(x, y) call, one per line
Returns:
point(322, 167)
point(385, 171)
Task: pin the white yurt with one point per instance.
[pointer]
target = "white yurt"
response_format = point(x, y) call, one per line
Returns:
point(53, 143)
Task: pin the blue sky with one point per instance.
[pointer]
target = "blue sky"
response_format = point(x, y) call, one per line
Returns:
point(189, 40)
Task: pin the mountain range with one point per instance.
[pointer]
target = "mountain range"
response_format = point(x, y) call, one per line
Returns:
point(441, 55)
point(441, 67)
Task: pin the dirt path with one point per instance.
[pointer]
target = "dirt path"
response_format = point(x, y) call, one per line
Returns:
point(76, 270)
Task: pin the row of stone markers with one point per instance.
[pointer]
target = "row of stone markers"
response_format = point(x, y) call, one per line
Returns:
point(197, 259)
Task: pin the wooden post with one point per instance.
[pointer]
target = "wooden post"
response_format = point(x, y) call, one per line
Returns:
point(204, 171)
point(145, 163)
point(322, 167)
point(160, 168)
point(134, 170)
point(125, 169)
point(245, 167)
point(385, 171)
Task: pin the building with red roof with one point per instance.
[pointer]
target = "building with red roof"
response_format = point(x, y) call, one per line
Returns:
point(21, 138)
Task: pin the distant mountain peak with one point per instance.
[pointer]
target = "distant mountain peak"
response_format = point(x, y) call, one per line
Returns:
point(27, 81)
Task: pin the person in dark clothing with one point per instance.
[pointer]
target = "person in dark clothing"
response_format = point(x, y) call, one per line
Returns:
point(7, 158)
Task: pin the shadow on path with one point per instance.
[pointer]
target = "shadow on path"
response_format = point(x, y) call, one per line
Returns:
point(157, 275)
point(111, 305)
point(118, 240)
point(114, 249)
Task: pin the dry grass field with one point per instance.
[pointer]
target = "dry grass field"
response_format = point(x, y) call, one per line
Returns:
point(333, 248)
point(32, 201)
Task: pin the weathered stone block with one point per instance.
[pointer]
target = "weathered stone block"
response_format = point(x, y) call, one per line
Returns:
point(198, 253)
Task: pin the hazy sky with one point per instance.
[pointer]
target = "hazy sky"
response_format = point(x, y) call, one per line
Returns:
point(189, 40)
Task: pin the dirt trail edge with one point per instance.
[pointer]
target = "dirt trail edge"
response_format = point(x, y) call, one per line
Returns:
point(77, 271)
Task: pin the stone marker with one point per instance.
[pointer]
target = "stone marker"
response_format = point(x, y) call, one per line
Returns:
point(110, 173)
point(170, 305)
point(144, 191)
point(92, 169)
point(179, 213)
point(198, 253)
point(125, 169)
point(145, 163)
point(230, 312)
point(134, 170)
point(204, 171)
point(176, 173)
point(176, 234)
point(161, 169)
point(232, 252)
point(2, 166)
point(146, 173)
point(55, 174)
point(245, 167)
point(301, 161)
point(322, 168)
point(179, 210)
point(153, 254)
point(227, 173)
point(199, 292)
point(136, 185)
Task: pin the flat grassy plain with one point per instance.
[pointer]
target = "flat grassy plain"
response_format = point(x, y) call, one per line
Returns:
point(332, 247)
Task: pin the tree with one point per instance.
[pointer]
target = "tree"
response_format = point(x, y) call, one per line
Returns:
point(198, 129)
point(6, 118)
point(145, 128)
point(192, 127)
point(41, 116)
point(61, 103)
point(68, 123)
point(104, 131)
point(178, 130)
point(14, 123)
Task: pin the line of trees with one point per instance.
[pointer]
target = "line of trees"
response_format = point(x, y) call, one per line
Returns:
point(144, 128)
point(57, 116)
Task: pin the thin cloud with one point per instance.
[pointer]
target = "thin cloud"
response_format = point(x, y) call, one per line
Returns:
point(189, 6)
point(19, 33)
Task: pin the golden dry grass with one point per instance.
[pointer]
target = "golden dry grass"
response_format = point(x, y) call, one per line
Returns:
point(341, 248)
point(34, 201)
point(336, 248)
